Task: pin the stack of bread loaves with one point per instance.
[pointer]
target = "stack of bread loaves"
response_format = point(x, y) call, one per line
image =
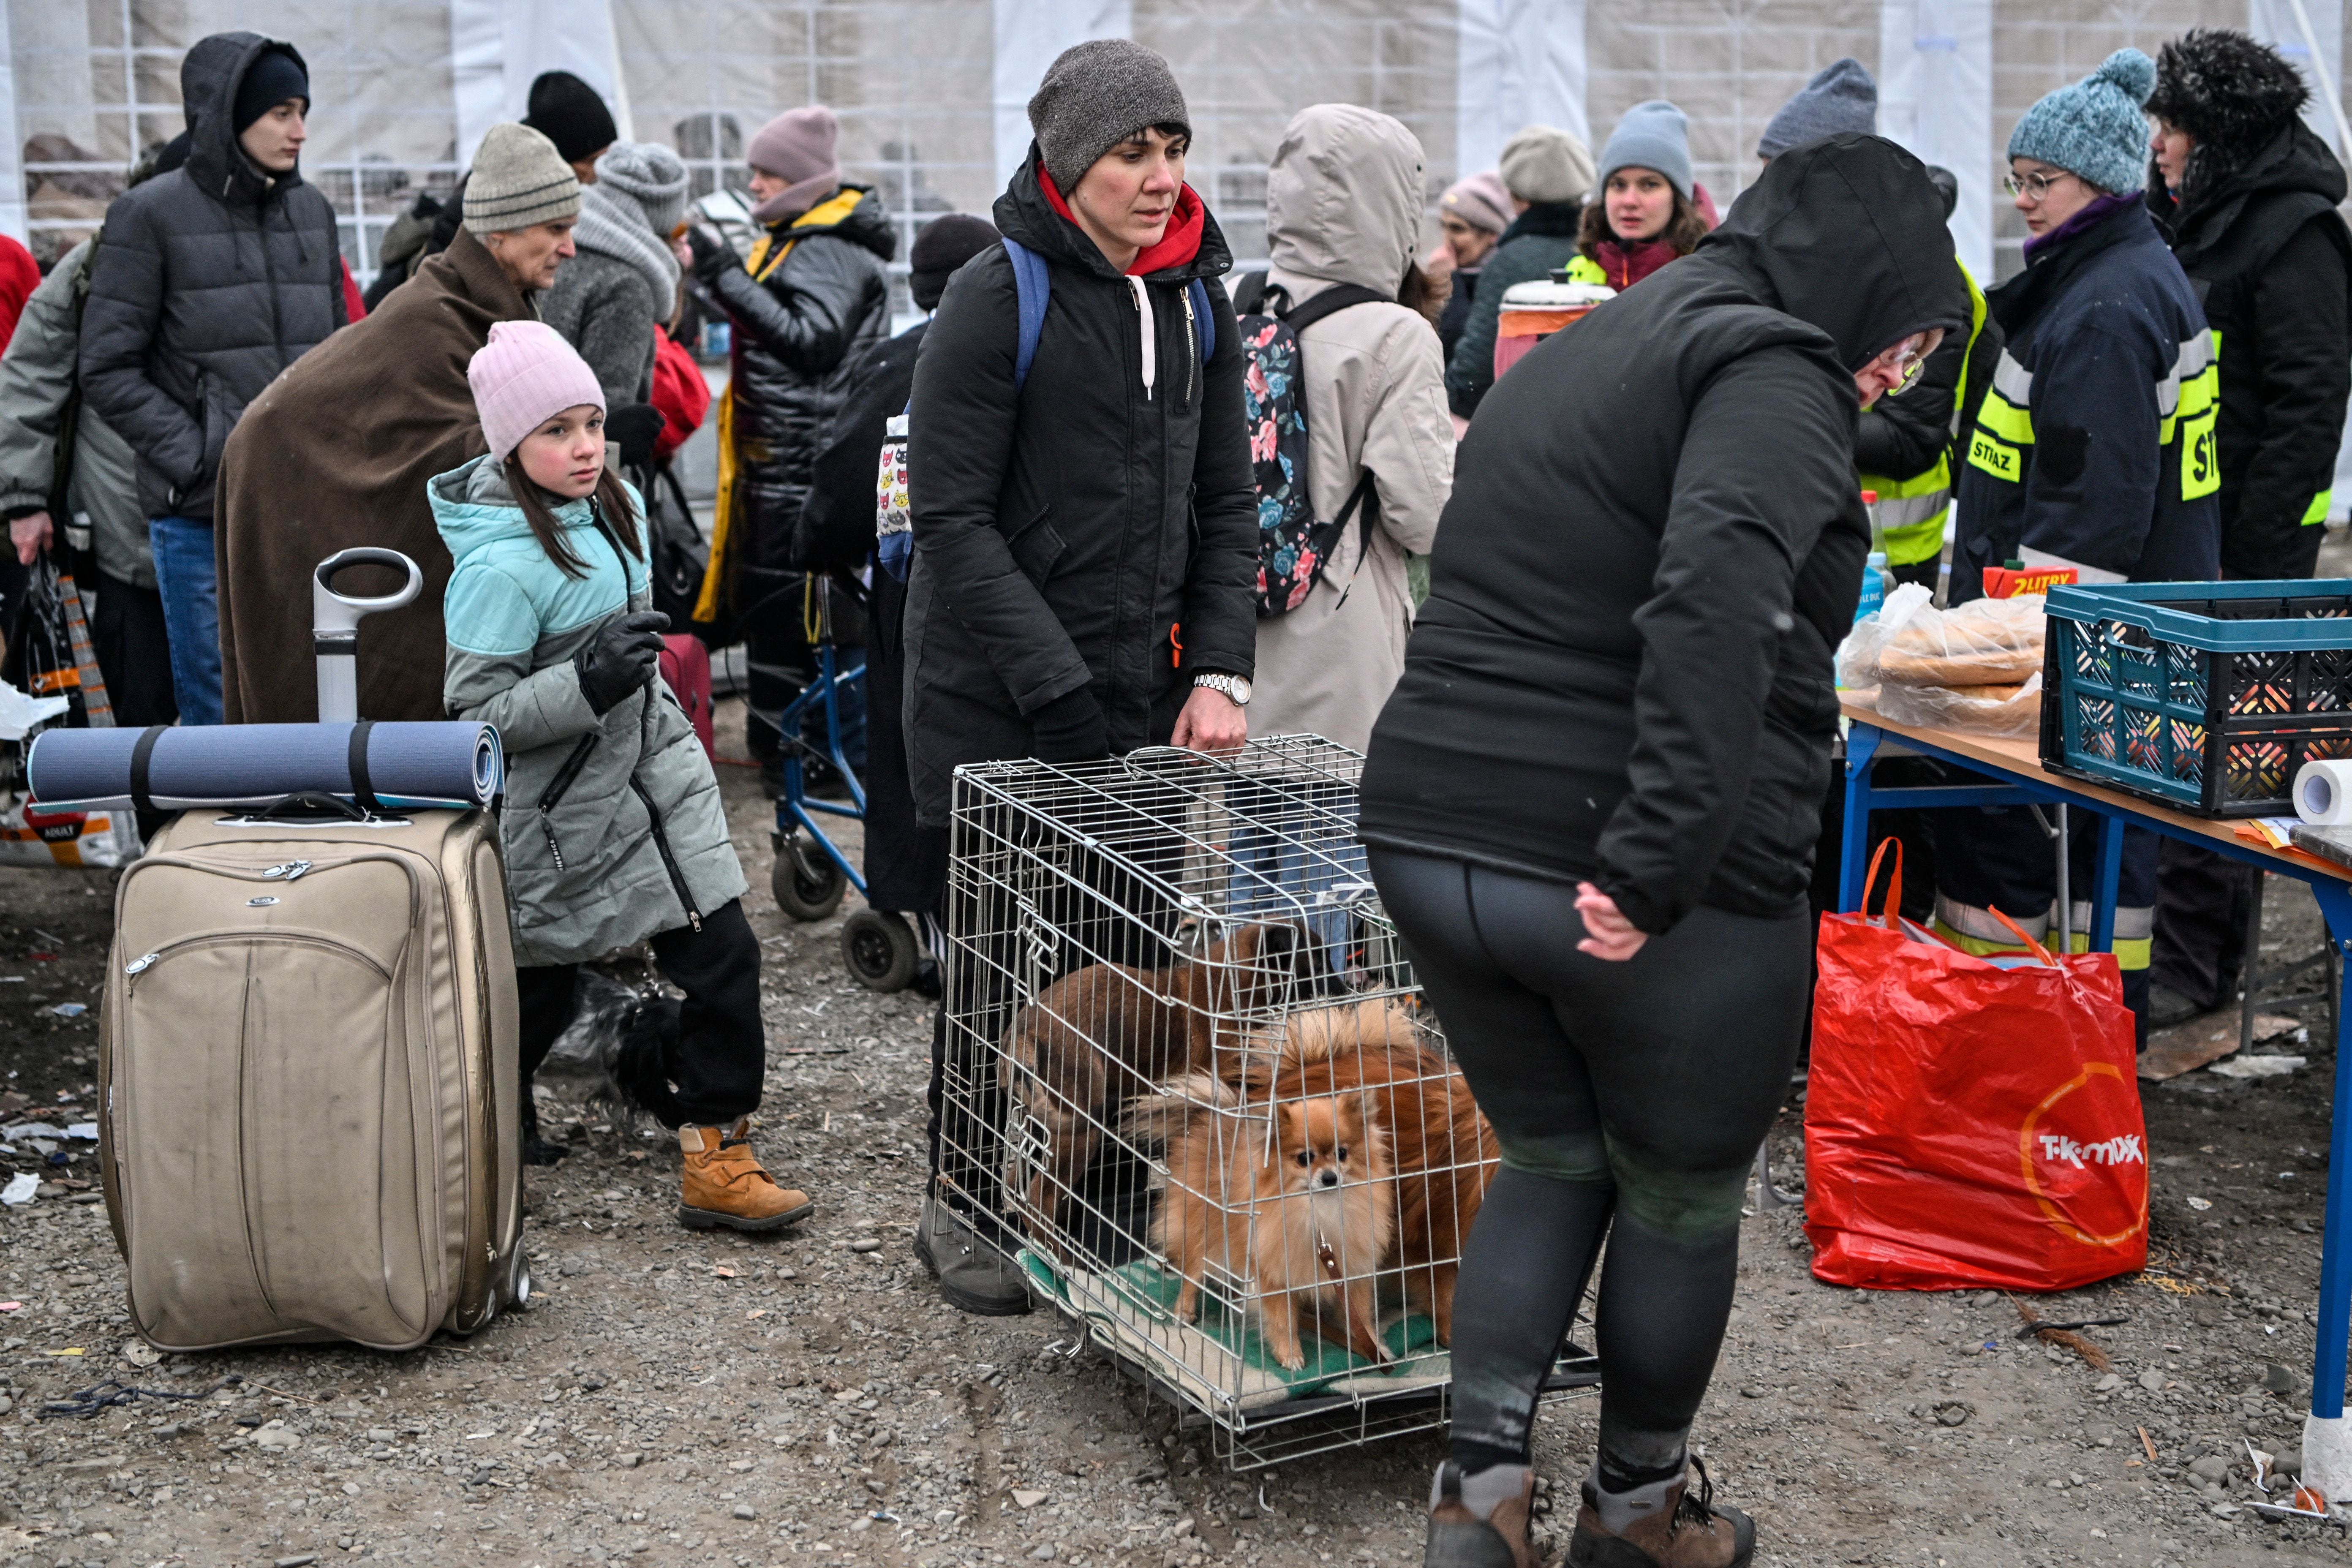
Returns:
point(1976, 667)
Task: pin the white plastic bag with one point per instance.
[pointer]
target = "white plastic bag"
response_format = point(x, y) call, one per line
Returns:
point(66, 838)
point(1985, 642)
point(1991, 710)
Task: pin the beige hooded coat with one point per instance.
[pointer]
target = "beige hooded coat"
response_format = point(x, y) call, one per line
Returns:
point(1344, 201)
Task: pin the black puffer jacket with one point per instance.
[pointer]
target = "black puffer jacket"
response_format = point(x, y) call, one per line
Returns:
point(1082, 531)
point(1623, 672)
point(2272, 261)
point(800, 325)
point(209, 281)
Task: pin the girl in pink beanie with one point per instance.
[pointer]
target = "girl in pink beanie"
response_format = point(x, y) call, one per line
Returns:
point(613, 833)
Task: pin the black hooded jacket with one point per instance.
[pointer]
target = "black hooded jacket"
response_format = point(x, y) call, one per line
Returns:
point(800, 329)
point(1654, 543)
point(1081, 532)
point(209, 281)
point(2272, 262)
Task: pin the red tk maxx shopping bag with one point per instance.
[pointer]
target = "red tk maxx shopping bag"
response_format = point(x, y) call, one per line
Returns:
point(1969, 1122)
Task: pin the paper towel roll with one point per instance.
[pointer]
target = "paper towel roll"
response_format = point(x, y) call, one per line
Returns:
point(2323, 793)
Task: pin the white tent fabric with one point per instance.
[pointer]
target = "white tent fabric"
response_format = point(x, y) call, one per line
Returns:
point(497, 46)
point(1935, 97)
point(1029, 34)
point(1520, 62)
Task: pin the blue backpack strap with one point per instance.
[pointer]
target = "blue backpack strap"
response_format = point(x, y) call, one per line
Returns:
point(1205, 323)
point(1032, 284)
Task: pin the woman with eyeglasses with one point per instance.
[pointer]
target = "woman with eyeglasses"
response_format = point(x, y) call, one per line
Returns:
point(1592, 800)
point(2094, 449)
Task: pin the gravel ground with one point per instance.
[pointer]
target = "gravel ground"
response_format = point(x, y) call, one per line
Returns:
point(672, 1398)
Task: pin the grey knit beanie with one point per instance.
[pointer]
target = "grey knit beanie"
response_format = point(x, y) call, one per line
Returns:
point(1652, 135)
point(1095, 96)
point(1842, 96)
point(2093, 129)
point(1543, 165)
point(652, 175)
point(519, 179)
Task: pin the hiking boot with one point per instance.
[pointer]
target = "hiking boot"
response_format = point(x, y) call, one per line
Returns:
point(1462, 1537)
point(1662, 1525)
point(725, 1184)
point(974, 1277)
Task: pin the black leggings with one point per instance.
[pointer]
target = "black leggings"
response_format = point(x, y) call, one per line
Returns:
point(716, 1057)
point(1637, 1091)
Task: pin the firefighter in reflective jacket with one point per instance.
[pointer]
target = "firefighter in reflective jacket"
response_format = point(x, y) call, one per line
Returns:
point(2093, 448)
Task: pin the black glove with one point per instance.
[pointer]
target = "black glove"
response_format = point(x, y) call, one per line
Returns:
point(634, 427)
point(1071, 728)
point(621, 657)
point(712, 255)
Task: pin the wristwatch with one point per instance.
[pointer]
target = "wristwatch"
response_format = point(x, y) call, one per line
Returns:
point(1231, 686)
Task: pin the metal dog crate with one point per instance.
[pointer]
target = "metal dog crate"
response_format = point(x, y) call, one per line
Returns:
point(1168, 975)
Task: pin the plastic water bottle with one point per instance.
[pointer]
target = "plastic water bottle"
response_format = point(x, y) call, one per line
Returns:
point(1874, 585)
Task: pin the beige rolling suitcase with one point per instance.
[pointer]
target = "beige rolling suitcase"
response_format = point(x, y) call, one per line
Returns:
point(308, 1126)
point(308, 1082)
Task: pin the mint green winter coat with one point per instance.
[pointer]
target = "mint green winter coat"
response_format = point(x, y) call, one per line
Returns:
point(613, 827)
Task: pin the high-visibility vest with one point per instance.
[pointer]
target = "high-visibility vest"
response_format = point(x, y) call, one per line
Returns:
point(1584, 269)
point(1911, 511)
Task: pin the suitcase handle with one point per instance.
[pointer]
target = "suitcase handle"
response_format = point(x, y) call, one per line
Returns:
point(335, 625)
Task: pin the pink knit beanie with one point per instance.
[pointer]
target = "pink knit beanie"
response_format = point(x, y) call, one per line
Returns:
point(525, 374)
point(797, 146)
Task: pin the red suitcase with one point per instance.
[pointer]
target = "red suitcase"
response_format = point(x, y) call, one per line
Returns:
point(686, 668)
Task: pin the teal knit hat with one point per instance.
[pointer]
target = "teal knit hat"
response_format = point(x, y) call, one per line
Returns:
point(2093, 129)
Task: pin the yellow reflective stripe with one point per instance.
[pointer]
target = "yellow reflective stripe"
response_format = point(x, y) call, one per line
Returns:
point(2130, 953)
point(1976, 326)
point(1584, 269)
point(2200, 452)
point(1911, 511)
point(2316, 512)
point(2012, 422)
point(1974, 946)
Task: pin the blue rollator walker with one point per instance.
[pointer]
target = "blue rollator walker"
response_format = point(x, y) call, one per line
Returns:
point(810, 873)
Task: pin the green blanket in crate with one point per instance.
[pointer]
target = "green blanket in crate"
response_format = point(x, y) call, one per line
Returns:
point(1222, 1355)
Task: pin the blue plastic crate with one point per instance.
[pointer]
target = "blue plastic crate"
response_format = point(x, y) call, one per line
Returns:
point(2205, 696)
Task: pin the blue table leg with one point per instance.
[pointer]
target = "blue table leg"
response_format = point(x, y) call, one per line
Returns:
point(2109, 878)
point(1853, 844)
point(2334, 1266)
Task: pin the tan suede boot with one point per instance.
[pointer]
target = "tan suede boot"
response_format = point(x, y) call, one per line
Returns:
point(725, 1184)
point(1460, 1537)
point(1665, 1525)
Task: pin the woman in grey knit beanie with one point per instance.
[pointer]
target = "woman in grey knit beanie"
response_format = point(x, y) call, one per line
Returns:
point(610, 299)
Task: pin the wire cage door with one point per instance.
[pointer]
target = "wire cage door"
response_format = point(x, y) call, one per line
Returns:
point(1192, 1084)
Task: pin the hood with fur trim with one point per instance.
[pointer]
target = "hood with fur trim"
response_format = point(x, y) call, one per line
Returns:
point(2231, 93)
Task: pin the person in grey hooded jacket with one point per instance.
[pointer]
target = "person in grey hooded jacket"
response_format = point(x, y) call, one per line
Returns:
point(613, 833)
point(41, 421)
point(609, 300)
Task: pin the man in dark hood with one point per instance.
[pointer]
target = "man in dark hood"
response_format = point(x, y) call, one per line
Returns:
point(1612, 736)
point(2246, 196)
point(208, 281)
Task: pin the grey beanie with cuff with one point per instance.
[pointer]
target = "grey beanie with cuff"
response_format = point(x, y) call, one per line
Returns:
point(1652, 135)
point(1095, 96)
point(519, 179)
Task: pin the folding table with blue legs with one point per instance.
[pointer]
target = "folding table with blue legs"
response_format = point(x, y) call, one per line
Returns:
point(2012, 773)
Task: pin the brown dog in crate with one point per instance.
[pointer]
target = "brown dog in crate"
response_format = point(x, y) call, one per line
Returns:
point(1291, 1196)
point(1103, 1035)
point(1435, 1155)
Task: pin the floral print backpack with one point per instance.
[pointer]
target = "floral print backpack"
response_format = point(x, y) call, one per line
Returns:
point(1293, 546)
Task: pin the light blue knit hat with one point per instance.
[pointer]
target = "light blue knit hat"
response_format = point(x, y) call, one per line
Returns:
point(2095, 128)
point(1654, 135)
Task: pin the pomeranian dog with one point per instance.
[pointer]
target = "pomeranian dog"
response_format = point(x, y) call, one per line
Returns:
point(1292, 1200)
point(1102, 1035)
point(1443, 1150)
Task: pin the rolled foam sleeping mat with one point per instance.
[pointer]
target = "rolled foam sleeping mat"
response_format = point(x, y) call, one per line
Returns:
point(409, 766)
